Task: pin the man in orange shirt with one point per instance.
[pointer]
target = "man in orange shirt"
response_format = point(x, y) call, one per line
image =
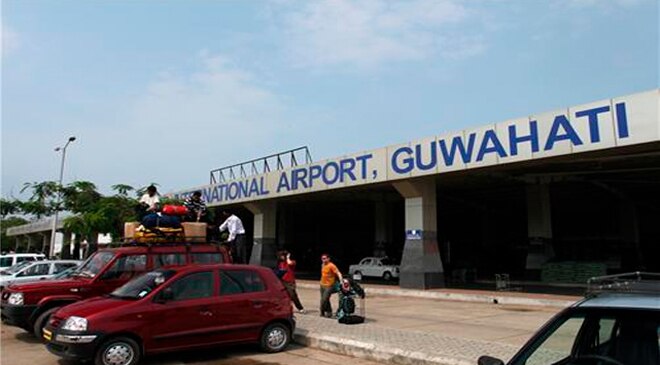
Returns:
point(329, 276)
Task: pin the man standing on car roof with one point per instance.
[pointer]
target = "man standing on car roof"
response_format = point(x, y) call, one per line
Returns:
point(236, 239)
point(330, 276)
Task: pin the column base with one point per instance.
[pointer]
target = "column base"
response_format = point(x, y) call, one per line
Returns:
point(421, 267)
point(264, 252)
point(422, 280)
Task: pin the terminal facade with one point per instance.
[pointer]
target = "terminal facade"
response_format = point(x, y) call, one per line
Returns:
point(544, 197)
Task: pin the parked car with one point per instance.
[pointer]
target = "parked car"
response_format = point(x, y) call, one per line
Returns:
point(11, 259)
point(175, 309)
point(29, 306)
point(380, 267)
point(64, 274)
point(618, 323)
point(30, 271)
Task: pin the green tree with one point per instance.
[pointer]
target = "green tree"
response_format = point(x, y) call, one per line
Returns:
point(122, 189)
point(43, 201)
point(8, 207)
point(7, 243)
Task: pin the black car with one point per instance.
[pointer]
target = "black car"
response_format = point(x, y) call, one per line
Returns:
point(618, 323)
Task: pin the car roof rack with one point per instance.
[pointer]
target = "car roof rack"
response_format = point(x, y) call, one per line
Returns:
point(633, 282)
point(187, 241)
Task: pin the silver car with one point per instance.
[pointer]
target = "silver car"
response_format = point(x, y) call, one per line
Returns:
point(379, 267)
point(30, 271)
point(618, 323)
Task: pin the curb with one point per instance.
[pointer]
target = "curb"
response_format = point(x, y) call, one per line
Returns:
point(373, 352)
point(461, 297)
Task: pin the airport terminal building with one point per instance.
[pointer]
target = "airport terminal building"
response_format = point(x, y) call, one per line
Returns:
point(551, 197)
point(554, 197)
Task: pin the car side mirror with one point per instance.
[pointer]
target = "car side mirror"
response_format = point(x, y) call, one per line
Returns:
point(487, 360)
point(165, 296)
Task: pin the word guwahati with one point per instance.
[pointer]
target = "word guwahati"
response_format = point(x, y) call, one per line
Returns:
point(474, 148)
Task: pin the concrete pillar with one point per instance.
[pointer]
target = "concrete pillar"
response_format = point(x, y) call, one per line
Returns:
point(45, 243)
point(17, 241)
point(265, 233)
point(421, 267)
point(66, 244)
point(29, 242)
point(539, 225)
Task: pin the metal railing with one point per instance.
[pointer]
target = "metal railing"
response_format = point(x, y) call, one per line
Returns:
point(262, 165)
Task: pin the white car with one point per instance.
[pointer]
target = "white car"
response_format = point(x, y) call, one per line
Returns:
point(380, 267)
point(11, 259)
point(30, 271)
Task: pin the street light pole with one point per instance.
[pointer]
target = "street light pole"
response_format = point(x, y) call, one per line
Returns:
point(51, 250)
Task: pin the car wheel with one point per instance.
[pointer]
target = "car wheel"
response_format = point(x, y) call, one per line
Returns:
point(42, 321)
point(118, 351)
point(387, 275)
point(275, 338)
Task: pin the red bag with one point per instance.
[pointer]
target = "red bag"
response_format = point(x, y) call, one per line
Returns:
point(175, 210)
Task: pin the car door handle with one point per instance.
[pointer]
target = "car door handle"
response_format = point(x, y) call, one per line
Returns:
point(257, 303)
point(206, 313)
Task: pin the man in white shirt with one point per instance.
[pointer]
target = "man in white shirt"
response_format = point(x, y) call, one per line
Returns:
point(149, 202)
point(236, 239)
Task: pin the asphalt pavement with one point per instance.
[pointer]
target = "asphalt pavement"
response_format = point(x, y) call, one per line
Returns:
point(17, 347)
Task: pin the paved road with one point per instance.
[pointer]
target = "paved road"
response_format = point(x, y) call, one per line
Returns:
point(19, 348)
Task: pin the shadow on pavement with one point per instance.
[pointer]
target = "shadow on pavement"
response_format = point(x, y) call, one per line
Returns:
point(27, 338)
point(214, 355)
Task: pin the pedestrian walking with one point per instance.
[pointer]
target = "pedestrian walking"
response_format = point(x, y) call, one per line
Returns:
point(236, 239)
point(286, 272)
point(330, 276)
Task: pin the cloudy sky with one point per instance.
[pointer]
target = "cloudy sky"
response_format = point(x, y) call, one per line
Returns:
point(165, 91)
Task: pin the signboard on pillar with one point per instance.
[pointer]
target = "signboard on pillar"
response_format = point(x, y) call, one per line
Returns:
point(413, 234)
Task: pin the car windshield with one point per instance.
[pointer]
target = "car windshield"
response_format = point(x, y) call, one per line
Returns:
point(387, 261)
point(93, 265)
point(142, 285)
point(16, 268)
point(65, 274)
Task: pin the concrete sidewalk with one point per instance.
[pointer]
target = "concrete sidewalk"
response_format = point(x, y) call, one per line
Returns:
point(465, 295)
point(409, 327)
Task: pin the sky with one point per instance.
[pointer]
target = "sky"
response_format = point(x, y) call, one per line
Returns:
point(165, 91)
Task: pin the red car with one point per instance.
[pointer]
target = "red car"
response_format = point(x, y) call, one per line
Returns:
point(173, 309)
point(30, 305)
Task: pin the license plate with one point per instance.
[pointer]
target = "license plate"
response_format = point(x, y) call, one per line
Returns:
point(48, 335)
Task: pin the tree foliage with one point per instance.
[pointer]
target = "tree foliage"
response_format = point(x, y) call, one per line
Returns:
point(92, 212)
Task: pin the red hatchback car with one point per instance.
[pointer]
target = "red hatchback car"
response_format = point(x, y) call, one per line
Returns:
point(173, 309)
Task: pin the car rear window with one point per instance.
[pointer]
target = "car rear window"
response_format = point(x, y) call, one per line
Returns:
point(207, 258)
point(6, 261)
point(240, 281)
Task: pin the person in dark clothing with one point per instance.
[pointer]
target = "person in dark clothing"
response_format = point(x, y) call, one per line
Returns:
point(286, 272)
point(197, 211)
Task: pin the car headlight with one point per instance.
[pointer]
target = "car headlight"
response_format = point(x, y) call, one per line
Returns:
point(15, 299)
point(74, 323)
